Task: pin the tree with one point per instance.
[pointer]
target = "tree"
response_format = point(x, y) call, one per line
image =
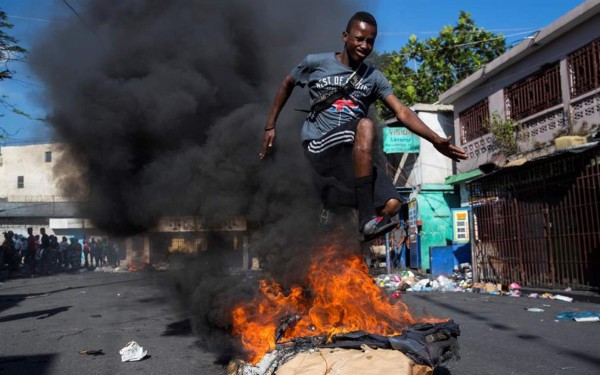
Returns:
point(9, 51)
point(440, 62)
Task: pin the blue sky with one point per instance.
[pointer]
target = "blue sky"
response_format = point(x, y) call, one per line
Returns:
point(397, 19)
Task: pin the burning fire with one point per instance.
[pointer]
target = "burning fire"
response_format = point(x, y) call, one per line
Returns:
point(137, 266)
point(341, 297)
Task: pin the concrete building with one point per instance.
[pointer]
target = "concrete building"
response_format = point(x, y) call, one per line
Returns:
point(549, 84)
point(29, 189)
point(528, 181)
point(419, 176)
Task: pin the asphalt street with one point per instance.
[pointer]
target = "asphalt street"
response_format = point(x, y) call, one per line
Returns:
point(46, 321)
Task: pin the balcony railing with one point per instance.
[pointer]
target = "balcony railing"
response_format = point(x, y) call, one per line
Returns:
point(534, 94)
point(472, 121)
point(584, 69)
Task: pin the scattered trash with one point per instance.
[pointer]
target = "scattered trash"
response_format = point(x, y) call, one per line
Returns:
point(396, 295)
point(132, 352)
point(534, 309)
point(91, 352)
point(588, 319)
point(460, 281)
point(582, 316)
point(563, 298)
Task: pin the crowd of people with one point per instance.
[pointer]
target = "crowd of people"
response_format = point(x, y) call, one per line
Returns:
point(44, 254)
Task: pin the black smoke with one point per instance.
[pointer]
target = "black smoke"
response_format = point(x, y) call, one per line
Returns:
point(163, 103)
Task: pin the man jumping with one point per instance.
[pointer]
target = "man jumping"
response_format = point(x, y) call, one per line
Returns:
point(338, 137)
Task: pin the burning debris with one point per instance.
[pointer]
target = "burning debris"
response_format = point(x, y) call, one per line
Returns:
point(341, 308)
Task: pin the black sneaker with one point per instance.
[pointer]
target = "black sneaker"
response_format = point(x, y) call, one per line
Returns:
point(376, 227)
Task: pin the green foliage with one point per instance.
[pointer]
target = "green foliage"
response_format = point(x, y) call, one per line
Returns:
point(505, 133)
point(423, 69)
point(9, 51)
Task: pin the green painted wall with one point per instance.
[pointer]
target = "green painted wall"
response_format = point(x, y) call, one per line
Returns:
point(434, 212)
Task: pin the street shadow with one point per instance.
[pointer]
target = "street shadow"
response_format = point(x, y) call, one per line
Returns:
point(92, 277)
point(528, 337)
point(31, 364)
point(160, 300)
point(582, 356)
point(40, 314)
point(181, 328)
point(12, 300)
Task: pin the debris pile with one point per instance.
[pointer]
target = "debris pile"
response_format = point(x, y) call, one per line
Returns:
point(417, 351)
point(322, 316)
point(460, 281)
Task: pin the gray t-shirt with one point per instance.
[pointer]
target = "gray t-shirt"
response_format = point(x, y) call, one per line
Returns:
point(323, 71)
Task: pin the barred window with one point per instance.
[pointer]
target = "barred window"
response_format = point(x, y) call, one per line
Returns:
point(48, 157)
point(472, 121)
point(20, 182)
point(535, 93)
point(584, 69)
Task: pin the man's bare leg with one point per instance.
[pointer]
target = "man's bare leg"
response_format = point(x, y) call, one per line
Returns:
point(370, 224)
point(362, 161)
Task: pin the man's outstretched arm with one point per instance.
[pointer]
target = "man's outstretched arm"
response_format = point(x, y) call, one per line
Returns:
point(283, 94)
point(414, 124)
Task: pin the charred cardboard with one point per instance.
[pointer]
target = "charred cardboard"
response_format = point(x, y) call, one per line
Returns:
point(366, 361)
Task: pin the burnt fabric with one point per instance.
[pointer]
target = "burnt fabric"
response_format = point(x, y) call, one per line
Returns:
point(426, 344)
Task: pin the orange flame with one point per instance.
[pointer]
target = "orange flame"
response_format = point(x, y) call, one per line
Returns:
point(137, 266)
point(343, 299)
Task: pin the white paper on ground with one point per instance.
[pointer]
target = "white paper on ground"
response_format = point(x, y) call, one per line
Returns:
point(587, 319)
point(563, 298)
point(132, 352)
point(534, 309)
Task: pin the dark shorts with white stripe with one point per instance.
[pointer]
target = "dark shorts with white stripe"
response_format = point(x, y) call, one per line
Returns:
point(331, 159)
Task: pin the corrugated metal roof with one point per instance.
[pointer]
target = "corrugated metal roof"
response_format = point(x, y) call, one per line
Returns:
point(531, 162)
point(463, 176)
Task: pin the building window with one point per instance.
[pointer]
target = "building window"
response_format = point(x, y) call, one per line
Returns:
point(584, 69)
point(48, 156)
point(177, 244)
point(472, 121)
point(20, 182)
point(533, 94)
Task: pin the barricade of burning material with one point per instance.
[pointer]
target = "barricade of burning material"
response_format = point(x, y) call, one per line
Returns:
point(418, 350)
point(340, 311)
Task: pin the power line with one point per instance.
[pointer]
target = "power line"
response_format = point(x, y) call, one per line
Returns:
point(80, 18)
point(392, 33)
point(471, 43)
point(30, 18)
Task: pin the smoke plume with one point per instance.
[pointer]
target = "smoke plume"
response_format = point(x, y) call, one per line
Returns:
point(163, 104)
